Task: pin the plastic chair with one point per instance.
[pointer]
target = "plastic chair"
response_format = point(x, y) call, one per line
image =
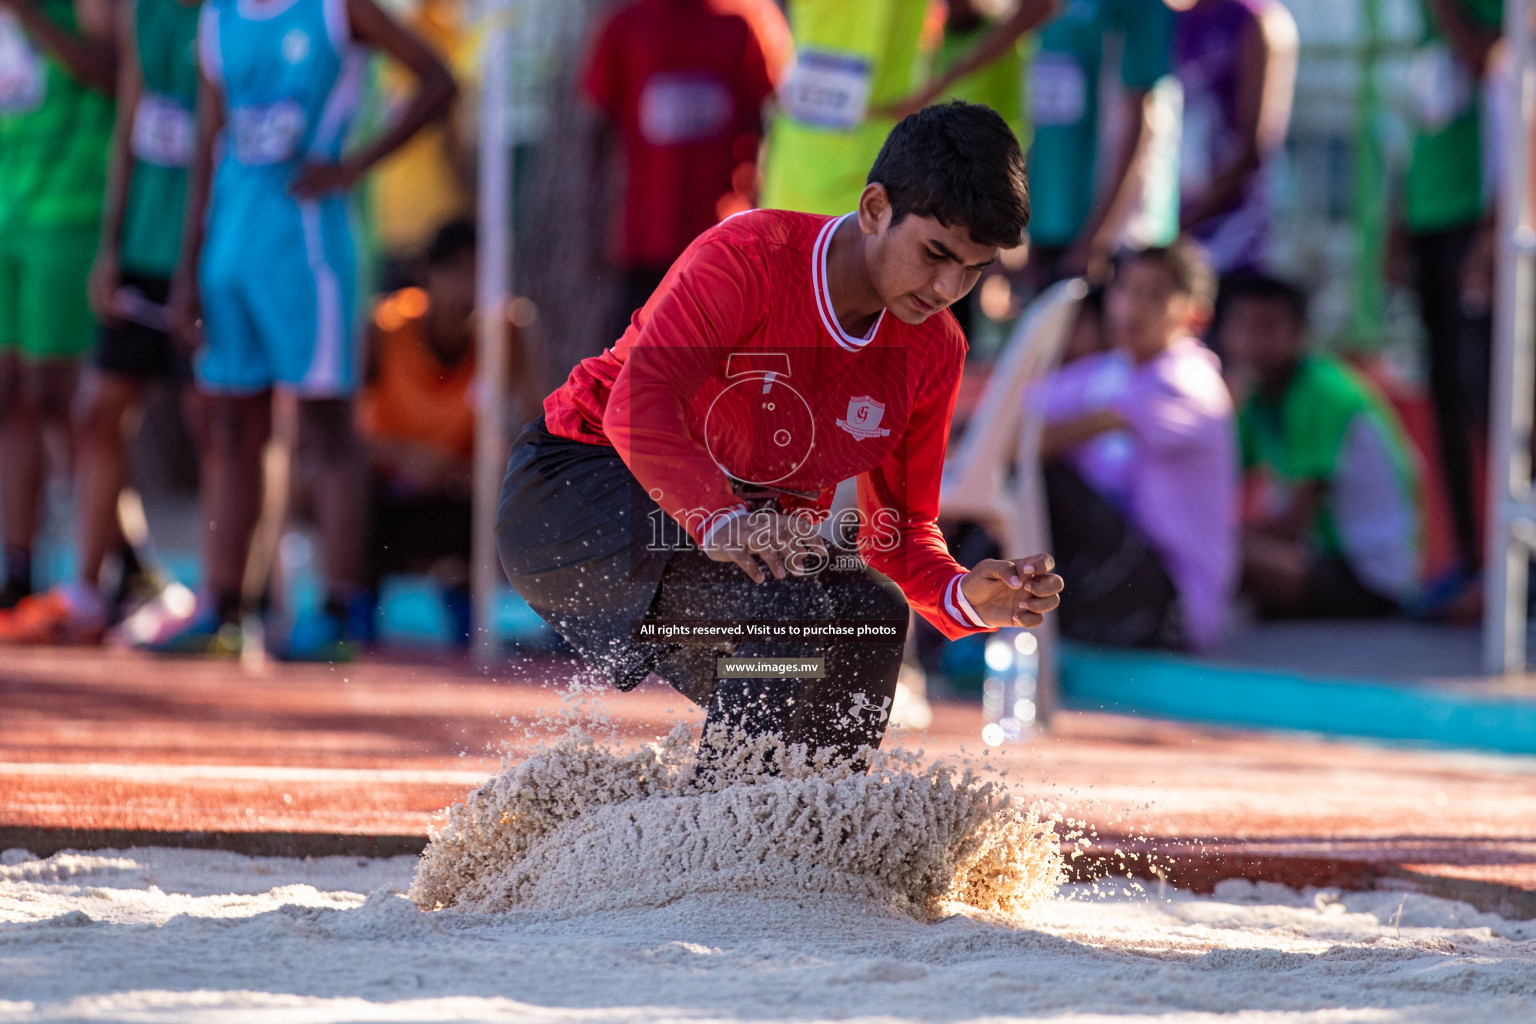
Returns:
point(1000, 438)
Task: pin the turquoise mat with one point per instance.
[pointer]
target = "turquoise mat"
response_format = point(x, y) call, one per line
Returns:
point(1171, 686)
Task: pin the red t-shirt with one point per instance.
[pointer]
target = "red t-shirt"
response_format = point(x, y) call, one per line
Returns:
point(738, 363)
point(683, 82)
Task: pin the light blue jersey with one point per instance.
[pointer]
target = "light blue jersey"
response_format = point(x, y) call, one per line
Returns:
point(279, 275)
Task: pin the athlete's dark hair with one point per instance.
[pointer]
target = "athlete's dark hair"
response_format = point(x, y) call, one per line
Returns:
point(1184, 260)
point(960, 164)
point(1264, 288)
point(452, 240)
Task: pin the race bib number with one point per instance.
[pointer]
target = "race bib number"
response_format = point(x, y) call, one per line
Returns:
point(679, 108)
point(162, 132)
point(1058, 91)
point(1440, 88)
point(266, 134)
point(827, 90)
point(23, 75)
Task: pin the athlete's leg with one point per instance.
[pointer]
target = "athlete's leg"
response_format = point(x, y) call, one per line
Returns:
point(47, 323)
point(101, 470)
point(238, 428)
point(21, 474)
point(40, 398)
point(329, 440)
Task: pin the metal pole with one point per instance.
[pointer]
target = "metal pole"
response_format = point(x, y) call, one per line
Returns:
point(492, 290)
point(1370, 301)
point(1509, 471)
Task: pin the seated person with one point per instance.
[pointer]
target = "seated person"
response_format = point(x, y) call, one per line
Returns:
point(1140, 465)
point(417, 416)
point(1333, 526)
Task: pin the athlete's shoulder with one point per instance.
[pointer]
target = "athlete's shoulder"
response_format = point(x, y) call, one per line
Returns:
point(766, 230)
point(942, 337)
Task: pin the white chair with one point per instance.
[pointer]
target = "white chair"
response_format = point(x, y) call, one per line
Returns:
point(1000, 437)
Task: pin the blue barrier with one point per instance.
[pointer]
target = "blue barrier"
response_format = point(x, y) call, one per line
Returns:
point(1177, 687)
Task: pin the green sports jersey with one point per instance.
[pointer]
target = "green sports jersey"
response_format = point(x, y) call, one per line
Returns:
point(1331, 427)
point(999, 85)
point(850, 56)
point(1444, 188)
point(1063, 99)
point(54, 132)
point(165, 38)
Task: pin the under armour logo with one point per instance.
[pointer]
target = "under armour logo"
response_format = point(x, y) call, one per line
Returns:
point(866, 711)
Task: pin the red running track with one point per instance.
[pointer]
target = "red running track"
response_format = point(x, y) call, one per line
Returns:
point(112, 748)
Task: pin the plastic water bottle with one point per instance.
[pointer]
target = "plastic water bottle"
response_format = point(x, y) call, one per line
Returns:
point(1009, 687)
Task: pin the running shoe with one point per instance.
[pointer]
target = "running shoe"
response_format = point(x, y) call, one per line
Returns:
point(156, 620)
point(204, 635)
point(321, 637)
point(71, 613)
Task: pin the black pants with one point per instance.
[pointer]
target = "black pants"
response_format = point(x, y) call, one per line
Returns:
point(1118, 591)
point(591, 553)
point(1458, 370)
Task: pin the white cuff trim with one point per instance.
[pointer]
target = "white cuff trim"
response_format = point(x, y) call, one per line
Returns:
point(959, 608)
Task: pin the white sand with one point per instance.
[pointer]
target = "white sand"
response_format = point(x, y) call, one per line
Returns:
point(591, 885)
point(168, 935)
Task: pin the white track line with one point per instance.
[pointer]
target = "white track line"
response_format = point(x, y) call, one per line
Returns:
point(251, 773)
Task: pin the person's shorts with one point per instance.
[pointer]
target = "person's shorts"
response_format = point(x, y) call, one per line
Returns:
point(564, 521)
point(290, 320)
point(129, 348)
point(44, 311)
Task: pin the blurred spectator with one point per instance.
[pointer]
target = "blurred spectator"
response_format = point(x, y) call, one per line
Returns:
point(270, 257)
point(57, 69)
point(430, 180)
point(416, 414)
point(1141, 475)
point(1088, 337)
point(140, 234)
point(853, 77)
point(1332, 527)
point(1236, 62)
point(1071, 227)
point(682, 84)
point(1443, 202)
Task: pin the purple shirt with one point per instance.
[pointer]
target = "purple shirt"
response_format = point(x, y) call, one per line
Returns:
point(1173, 472)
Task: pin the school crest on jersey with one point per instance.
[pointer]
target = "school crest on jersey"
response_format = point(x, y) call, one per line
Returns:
point(864, 417)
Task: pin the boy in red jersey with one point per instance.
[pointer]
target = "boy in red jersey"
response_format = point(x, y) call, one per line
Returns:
point(782, 354)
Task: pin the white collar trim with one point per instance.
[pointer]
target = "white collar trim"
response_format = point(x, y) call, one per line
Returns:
point(824, 306)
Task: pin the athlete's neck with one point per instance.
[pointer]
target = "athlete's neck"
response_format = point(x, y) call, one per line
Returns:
point(853, 295)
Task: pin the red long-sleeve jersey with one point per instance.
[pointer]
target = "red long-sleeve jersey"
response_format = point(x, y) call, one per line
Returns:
point(738, 368)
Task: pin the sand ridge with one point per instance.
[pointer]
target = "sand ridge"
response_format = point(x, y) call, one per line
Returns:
point(584, 826)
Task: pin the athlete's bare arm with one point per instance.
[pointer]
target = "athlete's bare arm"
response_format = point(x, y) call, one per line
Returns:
point(1100, 231)
point(1264, 95)
point(105, 272)
point(1030, 14)
point(89, 53)
point(435, 90)
point(186, 322)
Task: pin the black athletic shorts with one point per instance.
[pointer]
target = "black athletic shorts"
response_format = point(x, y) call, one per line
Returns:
point(133, 349)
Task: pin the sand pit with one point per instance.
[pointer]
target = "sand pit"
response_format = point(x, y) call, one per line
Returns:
point(165, 935)
point(582, 826)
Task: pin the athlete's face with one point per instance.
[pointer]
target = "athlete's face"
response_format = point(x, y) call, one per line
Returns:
point(917, 265)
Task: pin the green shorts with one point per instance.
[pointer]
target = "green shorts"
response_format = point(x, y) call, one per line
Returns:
point(44, 312)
